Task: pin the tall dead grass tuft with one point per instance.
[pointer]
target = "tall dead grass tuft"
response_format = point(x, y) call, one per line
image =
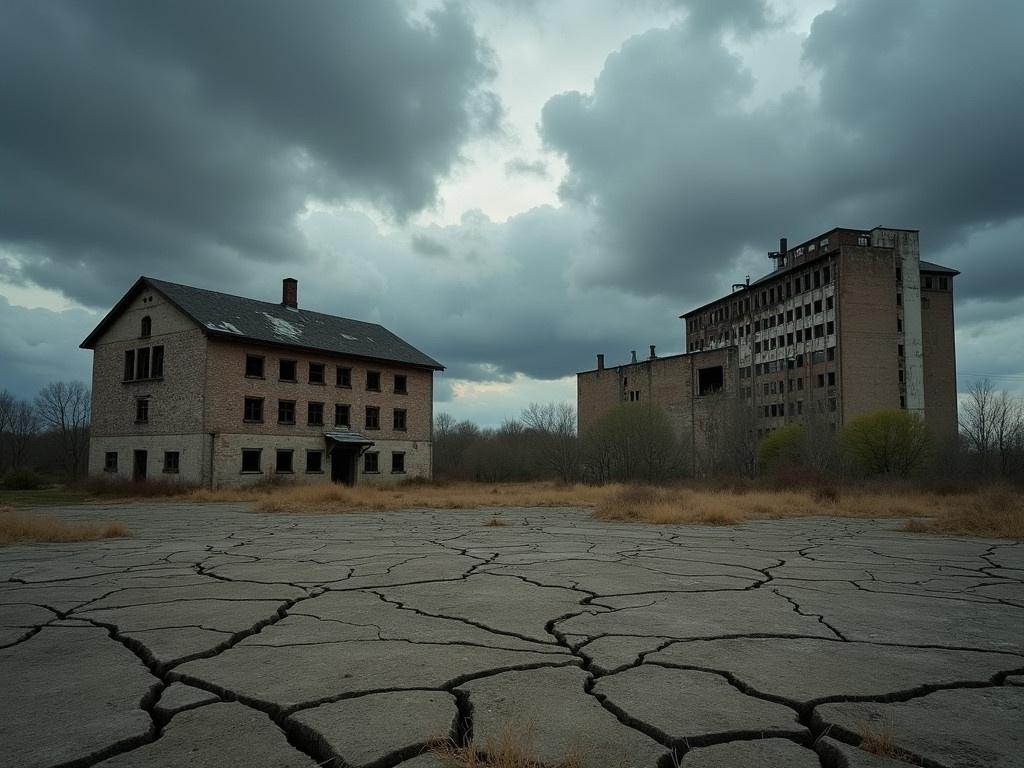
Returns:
point(18, 527)
point(881, 740)
point(996, 512)
point(512, 749)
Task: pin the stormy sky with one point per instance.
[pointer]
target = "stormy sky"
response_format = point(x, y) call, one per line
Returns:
point(512, 186)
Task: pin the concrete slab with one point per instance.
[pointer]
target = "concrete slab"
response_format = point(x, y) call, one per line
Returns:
point(177, 697)
point(961, 728)
point(762, 753)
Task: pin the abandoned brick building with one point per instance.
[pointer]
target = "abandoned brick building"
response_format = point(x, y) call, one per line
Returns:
point(217, 390)
point(849, 322)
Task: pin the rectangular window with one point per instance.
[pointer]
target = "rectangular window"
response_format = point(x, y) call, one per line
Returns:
point(789, 339)
point(832, 379)
point(251, 460)
point(401, 385)
point(372, 417)
point(927, 283)
point(157, 365)
point(254, 366)
point(341, 415)
point(899, 326)
point(110, 461)
point(818, 356)
point(400, 418)
point(171, 461)
point(799, 312)
point(314, 461)
point(899, 299)
point(287, 368)
point(129, 364)
point(832, 404)
point(373, 381)
point(943, 284)
point(710, 380)
point(826, 275)
point(821, 380)
point(316, 373)
point(819, 331)
point(142, 363)
point(817, 306)
point(315, 414)
point(829, 302)
point(799, 336)
point(285, 411)
point(343, 376)
point(899, 350)
point(398, 463)
point(253, 409)
point(370, 464)
point(284, 460)
point(830, 354)
point(141, 410)
point(830, 328)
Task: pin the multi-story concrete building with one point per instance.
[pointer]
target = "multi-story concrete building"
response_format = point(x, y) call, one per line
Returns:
point(849, 322)
point(212, 389)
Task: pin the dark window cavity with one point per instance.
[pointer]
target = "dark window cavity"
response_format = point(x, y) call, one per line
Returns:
point(314, 461)
point(400, 419)
point(141, 410)
point(316, 373)
point(287, 370)
point(171, 460)
point(254, 409)
point(341, 415)
point(110, 461)
point(284, 460)
point(129, 364)
point(370, 462)
point(156, 370)
point(285, 411)
point(372, 417)
point(147, 327)
point(343, 377)
point(251, 460)
point(710, 380)
point(142, 363)
point(315, 414)
point(398, 462)
point(254, 366)
point(373, 381)
point(401, 384)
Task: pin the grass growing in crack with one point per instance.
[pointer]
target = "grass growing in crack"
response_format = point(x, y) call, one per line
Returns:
point(18, 527)
point(497, 522)
point(512, 749)
point(996, 512)
point(881, 740)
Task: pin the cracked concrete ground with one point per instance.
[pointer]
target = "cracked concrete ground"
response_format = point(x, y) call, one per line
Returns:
point(219, 637)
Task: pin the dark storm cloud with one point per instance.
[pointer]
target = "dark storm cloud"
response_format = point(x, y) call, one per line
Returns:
point(137, 135)
point(918, 125)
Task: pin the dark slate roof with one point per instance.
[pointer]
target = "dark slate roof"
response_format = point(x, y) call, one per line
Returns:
point(348, 436)
point(931, 266)
point(234, 317)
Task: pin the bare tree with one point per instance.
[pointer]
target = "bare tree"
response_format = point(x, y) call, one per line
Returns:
point(7, 401)
point(631, 443)
point(992, 425)
point(554, 426)
point(23, 426)
point(976, 417)
point(64, 407)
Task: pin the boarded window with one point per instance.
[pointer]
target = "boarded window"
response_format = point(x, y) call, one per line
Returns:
point(710, 380)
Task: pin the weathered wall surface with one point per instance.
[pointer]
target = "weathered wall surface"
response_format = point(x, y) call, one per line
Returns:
point(940, 401)
point(192, 456)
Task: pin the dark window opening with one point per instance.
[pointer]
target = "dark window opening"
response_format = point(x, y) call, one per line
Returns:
point(251, 460)
point(156, 369)
point(129, 364)
point(943, 284)
point(400, 419)
point(397, 462)
point(401, 384)
point(341, 415)
point(343, 377)
point(254, 366)
point(314, 461)
point(710, 380)
point(315, 414)
point(284, 460)
point(110, 461)
point(171, 460)
point(141, 410)
point(253, 409)
point(142, 363)
point(370, 463)
point(287, 370)
point(285, 411)
point(316, 373)
point(373, 381)
point(147, 327)
point(372, 417)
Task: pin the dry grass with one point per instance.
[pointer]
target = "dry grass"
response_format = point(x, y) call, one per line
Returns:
point(881, 740)
point(21, 527)
point(995, 512)
point(338, 498)
point(512, 749)
point(497, 522)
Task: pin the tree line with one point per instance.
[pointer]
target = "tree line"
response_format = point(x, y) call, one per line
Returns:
point(635, 443)
point(48, 433)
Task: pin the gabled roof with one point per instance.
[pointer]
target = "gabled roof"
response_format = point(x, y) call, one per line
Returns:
point(225, 316)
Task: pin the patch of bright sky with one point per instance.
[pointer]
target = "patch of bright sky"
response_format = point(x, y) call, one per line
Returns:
point(489, 403)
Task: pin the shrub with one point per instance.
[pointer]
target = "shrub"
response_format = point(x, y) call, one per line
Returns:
point(23, 480)
point(782, 448)
point(894, 443)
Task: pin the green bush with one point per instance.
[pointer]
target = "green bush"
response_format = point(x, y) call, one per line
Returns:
point(895, 443)
point(23, 480)
point(782, 448)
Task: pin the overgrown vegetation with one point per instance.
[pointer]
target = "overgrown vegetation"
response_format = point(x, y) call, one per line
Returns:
point(17, 527)
point(881, 740)
point(995, 512)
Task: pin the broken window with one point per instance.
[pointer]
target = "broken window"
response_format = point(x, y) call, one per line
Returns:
point(343, 377)
point(398, 463)
point(372, 417)
point(830, 328)
point(284, 460)
point(287, 370)
point(316, 373)
point(285, 411)
point(253, 409)
point(399, 419)
point(401, 384)
point(110, 461)
point(341, 415)
point(315, 414)
point(314, 461)
point(817, 306)
point(171, 461)
point(250, 459)
point(254, 366)
point(710, 380)
point(370, 462)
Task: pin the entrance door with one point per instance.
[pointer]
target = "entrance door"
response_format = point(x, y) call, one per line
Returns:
point(139, 466)
point(343, 465)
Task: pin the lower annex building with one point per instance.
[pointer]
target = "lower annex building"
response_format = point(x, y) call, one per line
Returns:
point(849, 322)
point(211, 389)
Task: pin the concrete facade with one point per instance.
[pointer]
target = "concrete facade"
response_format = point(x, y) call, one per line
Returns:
point(190, 420)
point(850, 322)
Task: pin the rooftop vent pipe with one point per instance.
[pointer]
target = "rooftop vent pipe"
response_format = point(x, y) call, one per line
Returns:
point(634, 356)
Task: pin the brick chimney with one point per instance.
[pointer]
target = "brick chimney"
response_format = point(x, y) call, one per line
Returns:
point(600, 362)
point(290, 292)
point(652, 352)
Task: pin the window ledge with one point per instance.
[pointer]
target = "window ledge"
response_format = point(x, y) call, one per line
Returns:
point(314, 471)
point(150, 380)
point(397, 471)
point(251, 472)
point(252, 421)
point(253, 376)
point(170, 472)
point(284, 471)
point(287, 423)
point(343, 386)
point(371, 472)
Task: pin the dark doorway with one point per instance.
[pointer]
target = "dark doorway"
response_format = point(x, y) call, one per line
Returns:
point(343, 465)
point(139, 466)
